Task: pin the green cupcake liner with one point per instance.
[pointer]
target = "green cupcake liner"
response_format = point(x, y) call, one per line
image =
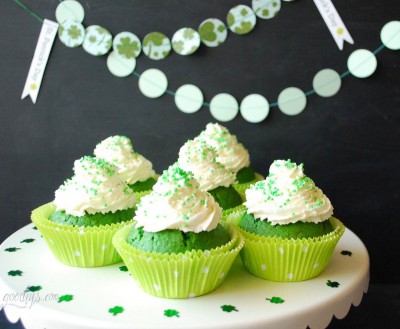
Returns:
point(233, 215)
point(77, 246)
point(140, 195)
point(289, 260)
point(187, 275)
point(241, 188)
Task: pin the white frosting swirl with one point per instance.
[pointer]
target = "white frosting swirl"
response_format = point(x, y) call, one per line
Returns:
point(132, 167)
point(232, 154)
point(200, 158)
point(177, 202)
point(286, 196)
point(95, 187)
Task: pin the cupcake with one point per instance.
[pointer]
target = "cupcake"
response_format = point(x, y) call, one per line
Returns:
point(177, 247)
point(288, 226)
point(87, 211)
point(201, 159)
point(133, 168)
point(232, 154)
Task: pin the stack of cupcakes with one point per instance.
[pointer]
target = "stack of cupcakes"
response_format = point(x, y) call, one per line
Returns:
point(177, 247)
point(289, 230)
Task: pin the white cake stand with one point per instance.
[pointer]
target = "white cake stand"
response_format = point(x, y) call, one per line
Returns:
point(44, 293)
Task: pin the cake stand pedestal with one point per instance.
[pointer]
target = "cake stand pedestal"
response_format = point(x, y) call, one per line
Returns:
point(44, 293)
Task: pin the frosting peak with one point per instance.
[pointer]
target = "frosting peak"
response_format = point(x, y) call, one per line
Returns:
point(95, 187)
point(177, 202)
point(132, 166)
point(201, 159)
point(287, 195)
point(232, 154)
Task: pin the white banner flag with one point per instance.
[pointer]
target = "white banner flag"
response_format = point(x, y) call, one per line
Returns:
point(39, 61)
point(334, 22)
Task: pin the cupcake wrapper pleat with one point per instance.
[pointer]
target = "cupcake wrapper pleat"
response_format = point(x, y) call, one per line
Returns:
point(191, 274)
point(287, 260)
point(233, 215)
point(77, 246)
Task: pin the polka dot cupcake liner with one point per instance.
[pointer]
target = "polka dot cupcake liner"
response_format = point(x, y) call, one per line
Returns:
point(187, 275)
point(77, 246)
point(289, 260)
point(241, 188)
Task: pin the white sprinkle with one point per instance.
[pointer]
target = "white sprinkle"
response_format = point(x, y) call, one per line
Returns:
point(281, 250)
point(205, 269)
point(157, 287)
point(77, 253)
point(263, 267)
point(221, 276)
point(316, 265)
point(290, 276)
point(206, 253)
point(192, 295)
point(176, 274)
point(305, 249)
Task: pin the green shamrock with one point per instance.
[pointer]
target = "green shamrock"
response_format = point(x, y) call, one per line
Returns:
point(128, 48)
point(229, 308)
point(27, 241)
point(74, 32)
point(123, 268)
point(156, 38)
point(265, 13)
point(15, 273)
point(101, 30)
point(207, 31)
point(116, 310)
point(346, 253)
point(332, 284)
point(221, 28)
point(244, 12)
point(188, 34)
point(92, 39)
point(178, 46)
point(60, 32)
point(33, 288)
point(170, 313)
point(276, 300)
point(65, 298)
point(13, 249)
point(245, 27)
point(230, 19)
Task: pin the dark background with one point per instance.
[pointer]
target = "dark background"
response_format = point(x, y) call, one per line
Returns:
point(349, 143)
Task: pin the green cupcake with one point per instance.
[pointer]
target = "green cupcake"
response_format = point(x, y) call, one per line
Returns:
point(87, 211)
point(288, 226)
point(177, 247)
point(201, 159)
point(133, 167)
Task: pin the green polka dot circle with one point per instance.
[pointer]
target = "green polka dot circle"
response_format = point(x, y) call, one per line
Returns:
point(156, 45)
point(224, 107)
point(254, 108)
point(185, 41)
point(266, 9)
point(153, 83)
point(362, 63)
point(241, 19)
point(127, 45)
point(120, 66)
point(71, 33)
point(189, 98)
point(213, 32)
point(390, 35)
point(292, 101)
point(327, 83)
point(98, 40)
point(69, 9)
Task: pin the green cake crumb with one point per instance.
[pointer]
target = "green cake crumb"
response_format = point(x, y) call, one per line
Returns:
point(97, 219)
point(245, 175)
point(227, 197)
point(144, 185)
point(296, 230)
point(176, 241)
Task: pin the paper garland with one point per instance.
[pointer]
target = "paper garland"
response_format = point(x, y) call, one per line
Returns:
point(153, 83)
